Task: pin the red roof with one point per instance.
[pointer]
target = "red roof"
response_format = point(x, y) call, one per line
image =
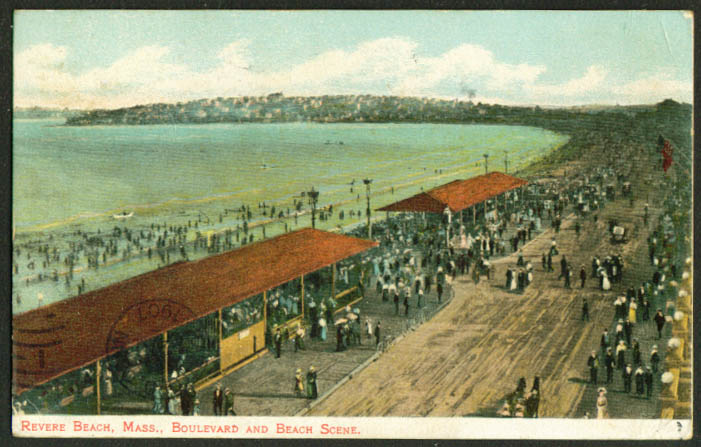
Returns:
point(458, 194)
point(60, 337)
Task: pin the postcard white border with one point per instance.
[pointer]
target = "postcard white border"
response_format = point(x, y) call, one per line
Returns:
point(359, 428)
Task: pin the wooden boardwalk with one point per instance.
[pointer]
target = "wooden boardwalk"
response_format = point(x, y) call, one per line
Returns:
point(468, 357)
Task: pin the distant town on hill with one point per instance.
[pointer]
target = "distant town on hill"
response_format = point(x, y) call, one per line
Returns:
point(277, 108)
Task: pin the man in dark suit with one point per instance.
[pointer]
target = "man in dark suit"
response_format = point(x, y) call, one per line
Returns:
point(218, 400)
point(610, 364)
point(659, 320)
point(628, 330)
point(568, 276)
point(191, 398)
point(229, 403)
point(656, 278)
point(278, 343)
point(585, 310)
point(627, 378)
point(593, 364)
point(184, 401)
point(605, 341)
point(648, 381)
point(563, 267)
point(378, 328)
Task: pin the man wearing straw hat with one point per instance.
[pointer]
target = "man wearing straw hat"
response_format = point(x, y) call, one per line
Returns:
point(299, 384)
point(654, 359)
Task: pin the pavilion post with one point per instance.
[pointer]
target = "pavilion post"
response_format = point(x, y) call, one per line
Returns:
point(447, 228)
point(485, 211)
point(265, 308)
point(333, 281)
point(97, 384)
point(474, 215)
point(221, 335)
point(301, 287)
point(165, 358)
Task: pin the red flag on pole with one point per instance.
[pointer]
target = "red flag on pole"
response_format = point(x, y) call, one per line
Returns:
point(667, 152)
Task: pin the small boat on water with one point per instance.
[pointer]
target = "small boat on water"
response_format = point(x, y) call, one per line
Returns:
point(123, 215)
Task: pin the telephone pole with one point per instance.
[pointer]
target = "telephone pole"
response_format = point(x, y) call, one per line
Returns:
point(367, 182)
point(314, 197)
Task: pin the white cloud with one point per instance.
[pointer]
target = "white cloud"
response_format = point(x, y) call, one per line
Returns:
point(383, 60)
point(589, 83)
point(40, 69)
point(143, 66)
point(466, 64)
point(383, 66)
point(657, 87)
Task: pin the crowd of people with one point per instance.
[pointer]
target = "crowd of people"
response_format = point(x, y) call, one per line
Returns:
point(412, 259)
point(633, 313)
point(311, 386)
point(522, 403)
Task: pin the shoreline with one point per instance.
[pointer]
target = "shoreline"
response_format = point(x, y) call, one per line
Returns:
point(173, 207)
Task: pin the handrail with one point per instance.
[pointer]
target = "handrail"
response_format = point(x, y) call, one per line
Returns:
point(179, 378)
point(287, 324)
point(346, 292)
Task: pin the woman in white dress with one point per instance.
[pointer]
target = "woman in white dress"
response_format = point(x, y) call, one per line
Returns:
point(606, 284)
point(513, 284)
point(529, 273)
point(172, 401)
point(323, 329)
point(108, 382)
point(602, 405)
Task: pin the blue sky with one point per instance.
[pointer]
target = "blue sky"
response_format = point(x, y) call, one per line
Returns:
point(119, 58)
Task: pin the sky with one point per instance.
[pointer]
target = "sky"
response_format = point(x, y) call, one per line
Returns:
point(111, 59)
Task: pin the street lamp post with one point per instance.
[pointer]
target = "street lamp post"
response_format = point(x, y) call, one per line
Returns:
point(367, 182)
point(314, 197)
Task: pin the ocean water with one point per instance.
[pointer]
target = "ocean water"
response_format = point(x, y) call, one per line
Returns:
point(69, 174)
point(69, 182)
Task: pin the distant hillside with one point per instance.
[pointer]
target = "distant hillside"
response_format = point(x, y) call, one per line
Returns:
point(44, 113)
point(358, 108)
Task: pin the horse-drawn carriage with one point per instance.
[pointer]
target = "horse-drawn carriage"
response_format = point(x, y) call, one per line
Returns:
point(610, 192)
point(626, 189)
